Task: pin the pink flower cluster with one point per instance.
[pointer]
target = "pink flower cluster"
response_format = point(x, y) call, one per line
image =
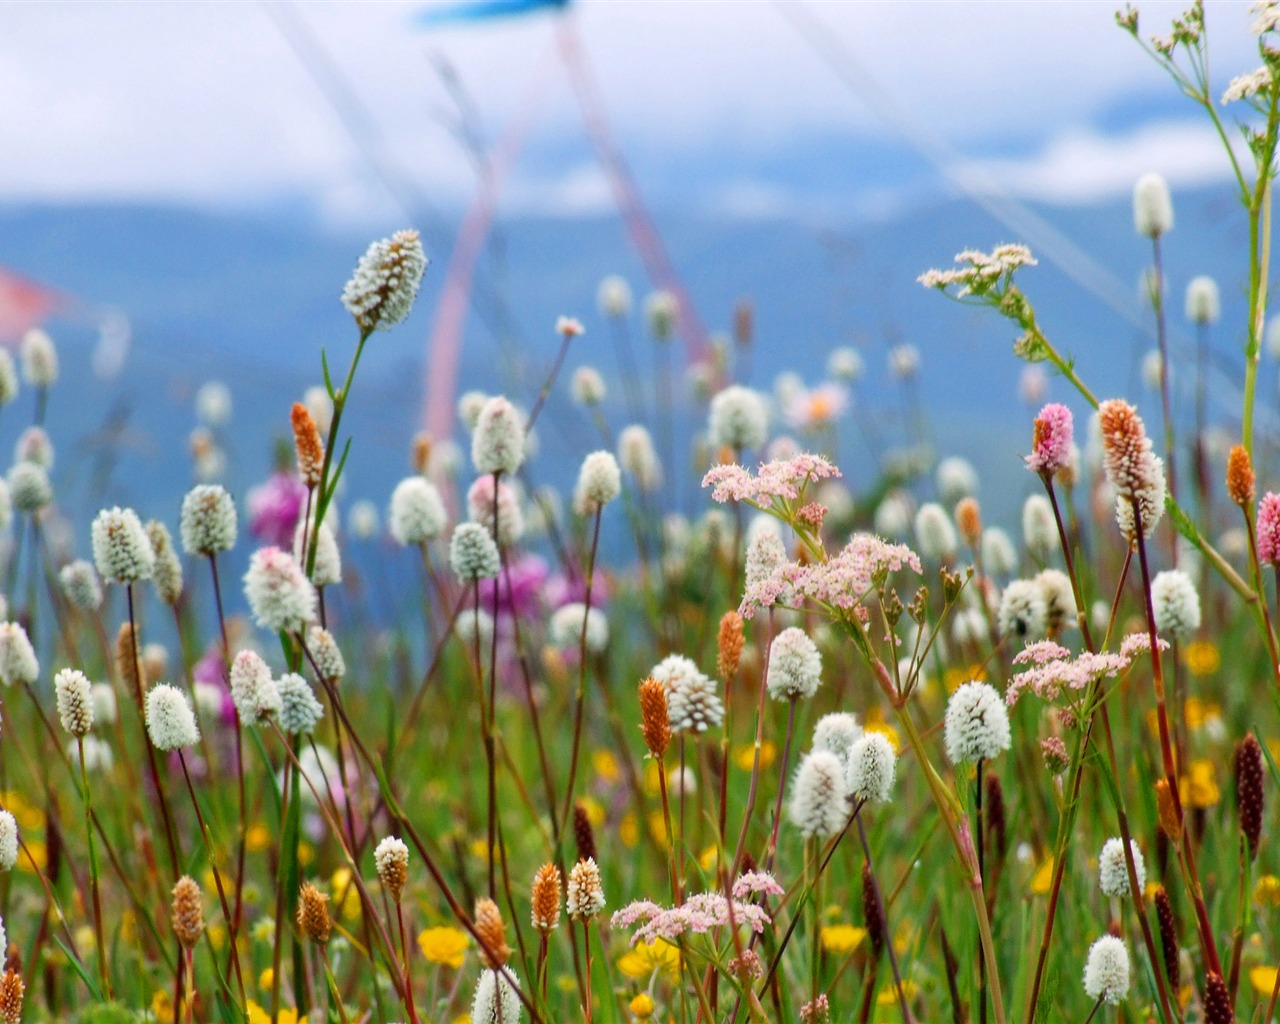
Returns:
point(1269, 529)
point(756, 882)
point(840, 582)
point(1051, 440)
point(699, 914)
point(780, 479)
point(1053, 669)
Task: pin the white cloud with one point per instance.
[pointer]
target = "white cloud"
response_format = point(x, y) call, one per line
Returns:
point(1084, 166)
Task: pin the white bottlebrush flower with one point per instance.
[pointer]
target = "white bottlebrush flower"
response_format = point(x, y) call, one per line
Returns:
point(819, 801)
point(300, 712)
point(33, 445)
point(614, 296)
point(1152, 206)
point(253, 691)
point(1153, 370)
point(320, 406)
point(417, 513)
point(507, 517)
point(869, 772)
point(469, 405)
point(661, 309)
point(956, 479)
point(599, 482)
point(8, 841)
point(1039, 528)
point(326, 653)
point(362, 520)
point(74, 696)
point(977, 724)
point(213, 403)
point(80, 584)
point(1059, 599)
point(935, 535)
point(207, 522)
point(8, 378)
point(29, 487)
point(587, 386)
point(496, 1001)
point(999, 556)
point(498, 441)
point(795, 666)
point(1113, 873)
point(281, 597)
point(17, 657)
point(391, 861)
point(637, 456)
point(738, 419)
point(845, 364)
point(893, 515)
point(167, 575)
point(1176, 604)
point(327, 571)
point(1106, 972)
point(104, 703)
point(1150, 504)
point(381, 291)
point(39, 359)
point(473, 555)
point(471, 622)
point(837, 732)
point(1203, 303)
point(692, 702)
point(171, 723)
point(121, 549)
point(1022, 611)
point(584, 895)
point(765, 550)
point(567, 623)
point(904, 362)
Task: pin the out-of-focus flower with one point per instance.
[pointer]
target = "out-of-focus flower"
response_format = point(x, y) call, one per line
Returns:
point(274, 508)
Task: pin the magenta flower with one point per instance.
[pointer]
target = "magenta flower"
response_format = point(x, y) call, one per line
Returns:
point(1051, 440)
point(1269, 529)
point(274, 509)
point(520, 588)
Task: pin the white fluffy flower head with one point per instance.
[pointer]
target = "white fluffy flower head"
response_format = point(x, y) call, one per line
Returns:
point(326, 653)
point(481, 508)
point(81, 585)
point(300, 712)
point(253, 690)
point(39, 359)
point(171, 723)
point(692, 702)
point(417, 512)
point(599, 482)
point(29, 487)
point(935, 535)
point(977, 724)
point(280, 595)
point(8, 841)
point(637, 456)
point(207, 522)
point(121, 549)
point(1106, 972)
point(1022, 611)
point(74, 696)
point(498, 441)
point(1113, 874)
point(837, 732)
point(566, 627)
point(1203, 303)
point(167, 575)
point(17, 657)
point(587, 386)
point(739, 419)
point(1176, 604)
point(1152, 206)
point(381, 291)
point(795, 666)
point(473, 555)
point(584, 895)
point(819, 800)
point(496, 1001)
point(870, 768)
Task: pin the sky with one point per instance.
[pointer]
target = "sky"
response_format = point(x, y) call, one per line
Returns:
point(721, 106)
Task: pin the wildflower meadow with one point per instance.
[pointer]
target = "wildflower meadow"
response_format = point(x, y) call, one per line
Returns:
point(811, 742)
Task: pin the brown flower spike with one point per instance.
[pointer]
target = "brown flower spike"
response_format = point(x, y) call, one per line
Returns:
point(127, 667)
point(1168, 939)
point(12, 990)
point(583, 833)
point(1167, 811)
point(313, 914)
point(969, 521)
point(654, 720)
point(1126, 449)
point(1240, 477)
point(546, 898)
point(872, 912)
point(1217, 1002)
point(187, 912)
point(307, 444)
point(729, 645)
point(1249, 800)
point(492, 934)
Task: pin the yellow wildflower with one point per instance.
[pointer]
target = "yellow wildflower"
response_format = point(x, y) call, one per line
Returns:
point(876, 723)
point(1199, 787)
point(889, 996)
point(658, 826)
point(257, 838)
point(646, 957)
point(707, 859)
point(1266, 893)
point(1263, 980)
point(594, 809)
point(257, 1015)
point(306, 854)
point(606, 766)
point(266, 978)
point(342, 888)
point(629, 831)
point(841, 938)
point(955, 676)
point(162, 1007)
point(444, 945)
point(1201, 658)
point(745, 756)
point(1043, 877)
point(642, 1006)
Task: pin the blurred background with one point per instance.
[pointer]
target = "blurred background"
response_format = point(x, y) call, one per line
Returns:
point(186, 187)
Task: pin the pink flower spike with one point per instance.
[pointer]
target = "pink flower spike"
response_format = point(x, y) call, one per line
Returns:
point(1051, 439)
point(1269, 529)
